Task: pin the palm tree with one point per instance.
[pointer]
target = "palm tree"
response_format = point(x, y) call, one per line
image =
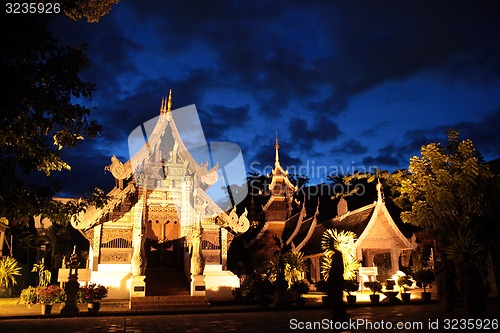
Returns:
point(343, 241)
point(9, 269)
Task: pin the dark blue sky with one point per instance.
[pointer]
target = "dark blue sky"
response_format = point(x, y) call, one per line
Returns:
point(348, 85)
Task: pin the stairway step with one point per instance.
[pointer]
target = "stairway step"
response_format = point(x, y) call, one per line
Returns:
point(168, 302)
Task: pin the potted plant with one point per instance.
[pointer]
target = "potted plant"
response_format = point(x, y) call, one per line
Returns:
point(351, 286)
point(9, 269)
point(425, 277)
point(299, 289)
point(404, 282)
point(92, 294)
point(28, 296)
point(47, 296)
point(375, 287)
point(263, 289)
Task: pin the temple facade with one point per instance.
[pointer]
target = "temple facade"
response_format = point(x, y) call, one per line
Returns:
point(161, 233)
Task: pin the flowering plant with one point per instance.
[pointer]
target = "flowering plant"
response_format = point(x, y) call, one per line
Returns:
point(92, 293)
point(50, 294)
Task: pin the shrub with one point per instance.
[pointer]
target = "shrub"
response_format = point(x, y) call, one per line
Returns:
point(263, 288)
point(404, 282)
point(92, 293)
point(50, 294)
point(374, 286)
point(424, 277)
point(28, 296)
point(9, 269)
point(351, 286)
point(299, 288)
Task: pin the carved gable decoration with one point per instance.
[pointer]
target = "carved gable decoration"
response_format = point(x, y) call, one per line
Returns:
point(109, 234)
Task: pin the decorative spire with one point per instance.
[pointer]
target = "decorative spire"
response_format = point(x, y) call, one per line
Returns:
point(276, 147)
point(380, 195)
point(163, 108)
point(169, 103)
point(166, 104)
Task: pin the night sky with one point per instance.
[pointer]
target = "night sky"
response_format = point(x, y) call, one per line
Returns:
point(348, 85)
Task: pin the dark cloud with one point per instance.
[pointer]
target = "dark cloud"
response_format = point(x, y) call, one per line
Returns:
point(218, 120)
point(260, 158)
point(323, 129)
point(350, 146)
point(375, 129)
point(483, 133)
point(381, 161)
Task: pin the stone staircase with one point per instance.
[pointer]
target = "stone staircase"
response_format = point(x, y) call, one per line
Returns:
point(173, 302)
point(161, 282)
point(167, 290)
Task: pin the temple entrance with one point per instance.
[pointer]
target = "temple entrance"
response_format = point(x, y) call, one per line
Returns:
point(165, 253)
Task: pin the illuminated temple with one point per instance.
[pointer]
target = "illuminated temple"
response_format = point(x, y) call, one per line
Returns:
point(300, 226)
point(160, 233)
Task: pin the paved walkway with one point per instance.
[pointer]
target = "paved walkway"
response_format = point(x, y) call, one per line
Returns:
point(364, 318)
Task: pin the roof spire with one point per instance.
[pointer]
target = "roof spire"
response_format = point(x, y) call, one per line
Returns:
point(276, 147)
point(380, 195)
point(169, 103)
point(163, 107)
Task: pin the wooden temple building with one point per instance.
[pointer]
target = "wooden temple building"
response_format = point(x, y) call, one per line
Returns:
point(379, 240)
point(161, 233)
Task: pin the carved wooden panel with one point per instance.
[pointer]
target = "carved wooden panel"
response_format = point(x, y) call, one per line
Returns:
point(108, 234)
point(116, 256)
point(212, 256)
point(210, 240)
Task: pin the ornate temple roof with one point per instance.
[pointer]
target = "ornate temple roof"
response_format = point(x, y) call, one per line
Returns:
point(163, 142)
point(281, 190)
point(372, 224)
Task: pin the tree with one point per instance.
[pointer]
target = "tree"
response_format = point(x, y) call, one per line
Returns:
point(93, 10)
point(343, 241)
point(42, 112)
point(9, 269)
point(449, 190)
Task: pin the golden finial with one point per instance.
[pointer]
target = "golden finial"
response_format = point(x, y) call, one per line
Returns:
point(169, 103)
point(163, 107)
point(276, 147)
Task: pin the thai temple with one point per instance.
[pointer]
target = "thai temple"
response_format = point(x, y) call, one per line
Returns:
point(377, 235)
point(162, 234)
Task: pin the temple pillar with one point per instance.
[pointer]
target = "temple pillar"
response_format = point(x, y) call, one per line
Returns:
point(138, 263)
point(186, 211)
point(96, 247)
point(394, 260)
point(223, 247)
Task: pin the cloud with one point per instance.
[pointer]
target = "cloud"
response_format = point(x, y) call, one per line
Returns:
point(350, 146)
point(218, 120)
point(322, 130)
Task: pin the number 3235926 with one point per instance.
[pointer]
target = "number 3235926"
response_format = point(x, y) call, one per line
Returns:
point(32, 8)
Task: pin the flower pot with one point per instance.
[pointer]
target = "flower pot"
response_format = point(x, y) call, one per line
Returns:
point(46, 309)
point(351, 299)
point(405, 297)
point(426, 296)
point(392, 296)
point(93, 307)
point(375, 298)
